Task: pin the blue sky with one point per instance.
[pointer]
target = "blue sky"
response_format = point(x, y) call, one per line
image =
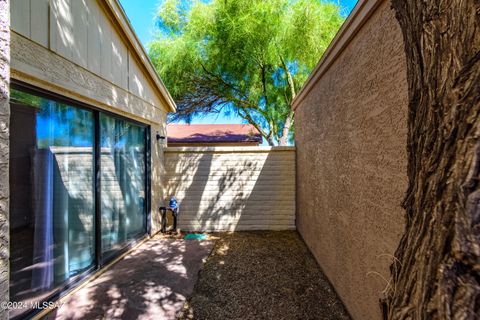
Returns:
point(141, 14)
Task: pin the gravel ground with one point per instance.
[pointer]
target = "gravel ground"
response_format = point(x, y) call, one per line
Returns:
point(262, 275)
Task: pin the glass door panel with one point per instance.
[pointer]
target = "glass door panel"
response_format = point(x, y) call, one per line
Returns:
point(52, 204)
point(122, 183)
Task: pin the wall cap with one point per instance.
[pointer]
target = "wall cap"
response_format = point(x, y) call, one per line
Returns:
point(355, 21)
point(228, 149)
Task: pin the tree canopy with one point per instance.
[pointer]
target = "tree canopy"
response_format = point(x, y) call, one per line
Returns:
point(247, 57)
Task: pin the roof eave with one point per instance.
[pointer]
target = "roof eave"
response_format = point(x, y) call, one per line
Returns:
point(121, 18)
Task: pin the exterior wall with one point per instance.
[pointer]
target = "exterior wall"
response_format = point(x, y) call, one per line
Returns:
point(158, 173)
point(41, 67)
point(351, 131)
point(81, 32)
point(4, 149)
point(84, 50)
point(232, 188)
point(73, 48)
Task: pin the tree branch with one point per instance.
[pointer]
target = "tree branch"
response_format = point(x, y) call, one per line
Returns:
point(250, 120)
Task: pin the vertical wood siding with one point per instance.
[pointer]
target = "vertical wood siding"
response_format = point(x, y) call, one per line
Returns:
point(232, 188)
point(81, 32)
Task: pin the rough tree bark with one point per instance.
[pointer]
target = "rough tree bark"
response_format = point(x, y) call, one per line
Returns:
point(437, 275)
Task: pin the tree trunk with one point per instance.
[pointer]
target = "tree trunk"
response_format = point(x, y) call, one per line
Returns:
point(286, 128)
point(437, 274)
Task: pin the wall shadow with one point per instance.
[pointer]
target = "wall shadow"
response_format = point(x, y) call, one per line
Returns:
point(228, 191)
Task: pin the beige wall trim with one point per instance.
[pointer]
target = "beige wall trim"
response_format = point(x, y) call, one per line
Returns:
point(253, 149)
point(23, 77)
point(355, 21)
point(121, 18)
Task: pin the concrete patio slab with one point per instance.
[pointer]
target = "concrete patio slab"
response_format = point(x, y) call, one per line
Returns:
point(152, 282)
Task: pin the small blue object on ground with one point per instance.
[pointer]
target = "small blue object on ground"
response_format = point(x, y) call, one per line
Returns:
point(195, 236)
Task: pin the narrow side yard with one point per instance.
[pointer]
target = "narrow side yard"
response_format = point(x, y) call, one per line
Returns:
point(262, 275)
point(248, 275)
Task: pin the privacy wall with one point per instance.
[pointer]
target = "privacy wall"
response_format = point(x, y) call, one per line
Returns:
point(232, 188)
point(351, 130)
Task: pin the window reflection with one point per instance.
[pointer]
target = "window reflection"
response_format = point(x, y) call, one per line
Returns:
point(122, 182)
point(52, 195)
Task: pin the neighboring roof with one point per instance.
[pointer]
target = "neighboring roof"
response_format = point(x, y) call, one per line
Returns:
point(212, 133)
point(122, 20)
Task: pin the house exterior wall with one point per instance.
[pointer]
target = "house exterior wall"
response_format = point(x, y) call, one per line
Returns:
point(73, 48)
point(351, 131)
point(232, 188)
point(82, 32)
point(82, 50)
point(4, 150)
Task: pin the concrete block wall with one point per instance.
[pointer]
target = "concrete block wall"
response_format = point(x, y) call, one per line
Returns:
point(351, 131)
point(232, 188)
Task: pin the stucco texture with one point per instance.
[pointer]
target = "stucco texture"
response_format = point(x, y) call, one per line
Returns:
point(351, 131)
point(4, 149)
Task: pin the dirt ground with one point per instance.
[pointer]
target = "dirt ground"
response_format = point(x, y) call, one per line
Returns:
point(262, 275)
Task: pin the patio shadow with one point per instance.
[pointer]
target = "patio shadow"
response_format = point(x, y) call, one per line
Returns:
point(150, 283)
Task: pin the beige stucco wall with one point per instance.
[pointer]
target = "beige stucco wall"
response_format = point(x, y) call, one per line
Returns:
point(350, 136)
point(232, 188)
point(4, 150)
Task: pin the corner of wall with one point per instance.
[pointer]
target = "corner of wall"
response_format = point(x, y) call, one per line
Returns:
point(157, 173)
point(4, 150)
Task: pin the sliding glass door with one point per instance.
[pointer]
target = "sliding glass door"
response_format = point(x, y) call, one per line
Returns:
point(122, 183)
point(52, 195)
point(65, 220)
